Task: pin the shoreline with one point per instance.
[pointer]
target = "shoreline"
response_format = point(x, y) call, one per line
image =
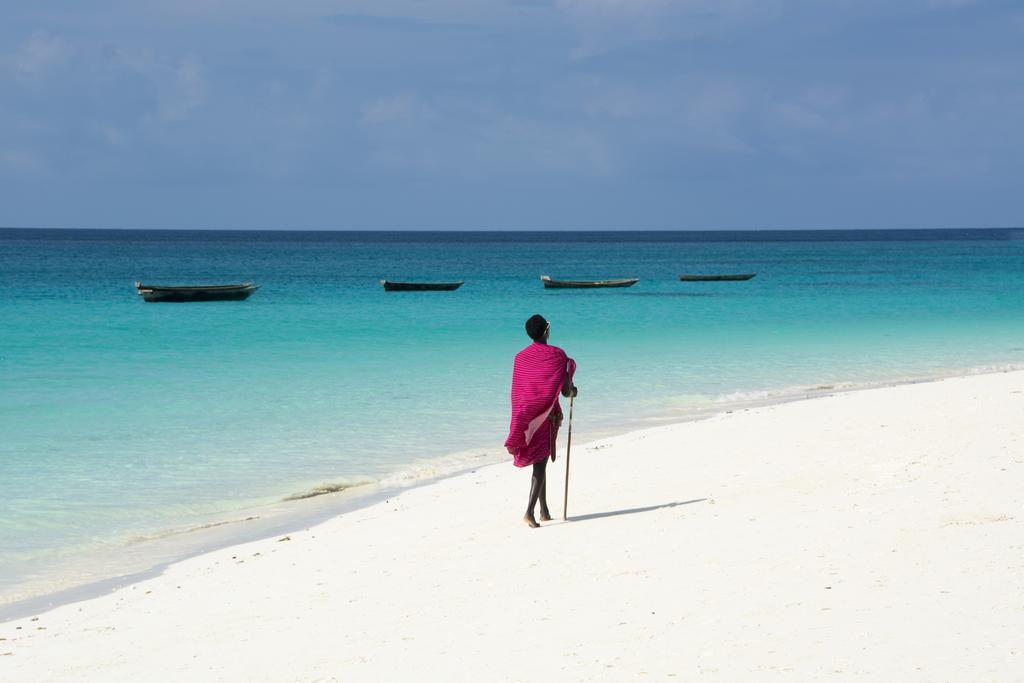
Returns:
point(880, 529)
point(296, 512)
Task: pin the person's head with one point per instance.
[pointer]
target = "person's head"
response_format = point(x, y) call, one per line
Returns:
point(537, 327)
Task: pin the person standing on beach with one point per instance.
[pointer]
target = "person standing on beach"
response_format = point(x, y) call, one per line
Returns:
point(539, 374)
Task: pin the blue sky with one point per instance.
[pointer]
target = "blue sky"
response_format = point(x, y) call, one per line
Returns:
point(514, 114)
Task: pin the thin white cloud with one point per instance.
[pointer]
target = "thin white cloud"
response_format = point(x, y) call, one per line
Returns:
point(188, 91)
point(950, 4)
point(112, 135)
point(692, 112)
point(604, 25)
point(392, 109)
point(818, 108)
point(531, 145)
point(180, 83)
point(40, 54)
point(387, 24)
point(462, 137)
point(21, 163)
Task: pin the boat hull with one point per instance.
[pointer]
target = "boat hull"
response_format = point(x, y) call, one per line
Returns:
point(187, 294)
point(420, 286)
point(717, 278)
point(587, 284)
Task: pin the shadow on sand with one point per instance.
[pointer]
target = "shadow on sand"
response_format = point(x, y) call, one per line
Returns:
point(632, 511)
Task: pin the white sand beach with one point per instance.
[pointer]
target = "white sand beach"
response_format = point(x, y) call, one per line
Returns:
point(872, 535)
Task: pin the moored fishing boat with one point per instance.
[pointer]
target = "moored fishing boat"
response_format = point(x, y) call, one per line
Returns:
point(187, 293)
point(587, 284)
point(716, 278)
point(390, 286)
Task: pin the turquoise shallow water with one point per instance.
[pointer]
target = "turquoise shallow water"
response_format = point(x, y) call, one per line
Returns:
point(121, 419)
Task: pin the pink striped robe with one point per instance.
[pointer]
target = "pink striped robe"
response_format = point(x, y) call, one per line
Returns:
point(537, 377)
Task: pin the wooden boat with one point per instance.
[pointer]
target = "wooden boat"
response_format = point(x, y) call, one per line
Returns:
point(716, 278)
point(587, 284)
point(390, 286)
point(184, 293)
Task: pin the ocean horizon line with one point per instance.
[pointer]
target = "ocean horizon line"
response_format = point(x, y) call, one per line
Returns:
point(464, 230)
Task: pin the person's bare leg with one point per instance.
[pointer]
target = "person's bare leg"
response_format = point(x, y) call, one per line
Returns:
point(536, 483)
point(545, 514)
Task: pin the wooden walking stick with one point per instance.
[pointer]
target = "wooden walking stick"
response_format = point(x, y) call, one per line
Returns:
point(568, 448)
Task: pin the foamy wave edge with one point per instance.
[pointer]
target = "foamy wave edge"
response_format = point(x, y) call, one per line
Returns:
point(795, 392)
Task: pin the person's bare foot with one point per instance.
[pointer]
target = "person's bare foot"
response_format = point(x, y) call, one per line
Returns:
point(530, 521)
point(545, 516)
